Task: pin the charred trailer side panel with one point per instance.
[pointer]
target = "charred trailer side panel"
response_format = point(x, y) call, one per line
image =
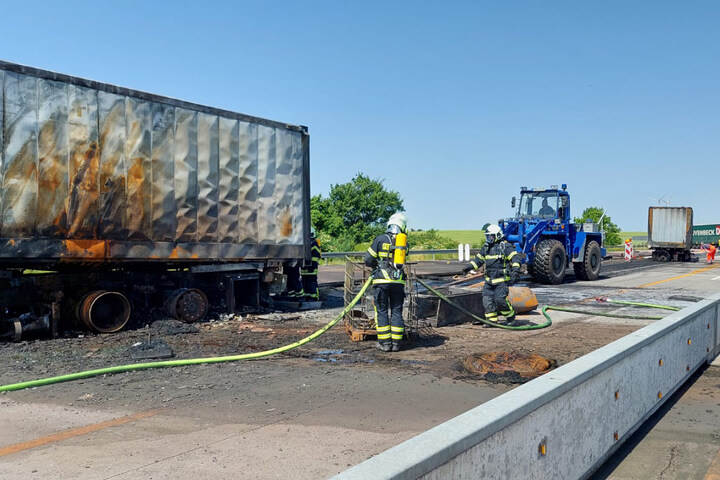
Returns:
point(151, 190)
point(670, 233)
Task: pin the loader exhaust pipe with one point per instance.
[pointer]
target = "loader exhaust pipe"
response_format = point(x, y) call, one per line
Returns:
point(103, 311)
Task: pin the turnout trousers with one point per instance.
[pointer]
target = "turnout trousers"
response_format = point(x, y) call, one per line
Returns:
point(389, 298)
point(495, 300)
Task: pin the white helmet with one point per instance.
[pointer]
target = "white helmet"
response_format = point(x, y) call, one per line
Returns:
point(493, 233)
point(397, 223)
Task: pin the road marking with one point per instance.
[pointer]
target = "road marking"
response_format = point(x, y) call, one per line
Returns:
point(713, 472)
point(76, 432)
point(680, 276)
point(715, 278)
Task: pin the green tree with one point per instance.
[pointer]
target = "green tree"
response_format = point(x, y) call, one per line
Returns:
point(612, 231)
point(354, 212)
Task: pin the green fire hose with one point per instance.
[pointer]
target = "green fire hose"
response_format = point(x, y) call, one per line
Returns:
point(482, 320)
point(559, 309)
point(179, 363)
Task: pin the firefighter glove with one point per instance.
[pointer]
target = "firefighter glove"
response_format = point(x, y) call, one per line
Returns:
point(467, 269)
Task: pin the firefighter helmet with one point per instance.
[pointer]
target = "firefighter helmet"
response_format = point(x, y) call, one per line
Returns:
point(493, 233)
point(397, 223)
point(312, 232)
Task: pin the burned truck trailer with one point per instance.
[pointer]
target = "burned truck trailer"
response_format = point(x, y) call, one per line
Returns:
point(114, 200)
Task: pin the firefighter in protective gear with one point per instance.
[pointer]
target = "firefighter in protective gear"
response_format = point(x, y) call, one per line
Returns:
point(294, 286)
point(386, 255)
point(502, 267)
point(309, 271)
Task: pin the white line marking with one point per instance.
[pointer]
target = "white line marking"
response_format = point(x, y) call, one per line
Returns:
point(716, 277)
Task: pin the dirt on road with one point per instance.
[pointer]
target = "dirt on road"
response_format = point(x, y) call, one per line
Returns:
point(437, 351)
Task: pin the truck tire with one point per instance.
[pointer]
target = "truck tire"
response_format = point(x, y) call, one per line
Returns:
point(589, 268)
point(550, 261)
point(661, 255)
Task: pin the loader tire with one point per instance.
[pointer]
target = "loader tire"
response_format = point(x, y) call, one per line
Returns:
point(550, 261)
point(589, 268)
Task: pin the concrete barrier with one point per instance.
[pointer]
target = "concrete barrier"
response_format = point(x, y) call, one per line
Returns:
point(566, 423)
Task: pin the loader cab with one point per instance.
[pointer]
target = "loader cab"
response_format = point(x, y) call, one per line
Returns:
point(543, 204)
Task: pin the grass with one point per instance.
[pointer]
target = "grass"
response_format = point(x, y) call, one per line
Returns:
point(473, 237)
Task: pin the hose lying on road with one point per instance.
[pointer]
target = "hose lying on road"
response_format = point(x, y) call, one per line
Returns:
point(178, 363)
point(559, 309)
point(480, 319)
point(614, 315)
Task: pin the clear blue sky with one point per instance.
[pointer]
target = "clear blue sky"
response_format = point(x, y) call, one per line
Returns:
point(455, 105)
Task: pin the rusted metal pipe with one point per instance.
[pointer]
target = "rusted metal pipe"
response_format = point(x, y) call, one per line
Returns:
point(103, 311)
point(187, 305)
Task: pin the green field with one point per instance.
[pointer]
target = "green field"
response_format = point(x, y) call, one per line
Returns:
point(475, 237)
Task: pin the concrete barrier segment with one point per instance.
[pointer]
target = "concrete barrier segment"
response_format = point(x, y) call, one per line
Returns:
point(566, 423)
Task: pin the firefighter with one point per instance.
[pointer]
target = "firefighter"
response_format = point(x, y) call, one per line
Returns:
point(502, 267)
point(386, 255)
point(294, 286)
point(309, 271)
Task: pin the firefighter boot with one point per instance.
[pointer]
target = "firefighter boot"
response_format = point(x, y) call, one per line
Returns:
point(384, 346)
point(395, 346)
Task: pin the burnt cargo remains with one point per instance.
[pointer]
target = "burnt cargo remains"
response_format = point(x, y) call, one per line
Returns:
point(118, 190)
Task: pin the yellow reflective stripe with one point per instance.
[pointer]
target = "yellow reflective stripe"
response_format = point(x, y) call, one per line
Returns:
point(316, 259)
point(480, 257)
point(474, 265)
point(396, 336)
point(383, 336)
point(385, 274)
point(492, 257)
point(512, 255)
point(497, 280)
point(377, 281)
point(308, 272)
point(383, 254)
point(491, 315)
point(397, 329)
point(372, 252)
point(515, 264)
point(384, 329)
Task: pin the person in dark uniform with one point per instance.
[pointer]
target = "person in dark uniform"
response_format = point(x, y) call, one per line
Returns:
point(389, 282)
point(309, 272)
point(501, 268)
point(546, 210)
point(294, 286)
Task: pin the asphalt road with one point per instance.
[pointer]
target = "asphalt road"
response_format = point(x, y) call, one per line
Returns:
point(305, 417)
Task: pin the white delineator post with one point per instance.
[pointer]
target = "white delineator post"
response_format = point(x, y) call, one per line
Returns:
point(467, 252)
point(460, 252)
point(628, 249)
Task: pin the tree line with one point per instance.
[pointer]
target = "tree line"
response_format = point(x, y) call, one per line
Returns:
point(354, 213)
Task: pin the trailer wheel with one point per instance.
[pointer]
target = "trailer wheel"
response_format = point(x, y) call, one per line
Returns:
point(589, 268)
point(187, 305)
point(662, 256)
point(550, 261)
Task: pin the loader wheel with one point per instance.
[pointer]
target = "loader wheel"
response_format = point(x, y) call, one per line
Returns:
point(589, 268)
point(550, 261)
